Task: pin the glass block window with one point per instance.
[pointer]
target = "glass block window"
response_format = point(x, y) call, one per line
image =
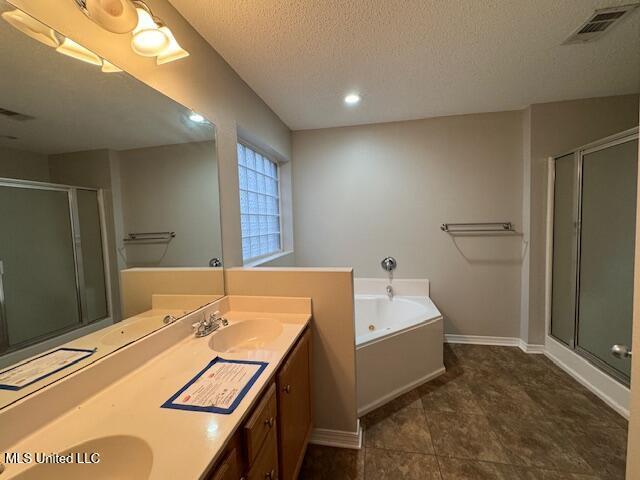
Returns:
point(259, 204)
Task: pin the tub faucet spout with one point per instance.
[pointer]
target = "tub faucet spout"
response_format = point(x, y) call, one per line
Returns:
point(389, 292)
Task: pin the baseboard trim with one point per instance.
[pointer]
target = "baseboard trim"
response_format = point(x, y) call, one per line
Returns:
point(400, 391)
point(337, 438)
point(533, 348)
point(482, 340)
point(606, 388)
point(497, 341)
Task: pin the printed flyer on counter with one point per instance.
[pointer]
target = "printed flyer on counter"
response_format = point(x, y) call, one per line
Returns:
point(219, 387)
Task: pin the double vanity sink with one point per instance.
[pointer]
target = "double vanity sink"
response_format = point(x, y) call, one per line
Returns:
point(122, 420)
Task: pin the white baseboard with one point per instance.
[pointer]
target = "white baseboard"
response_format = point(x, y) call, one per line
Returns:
point(497, 341)
point(337, 438)
point(606, 388)
point(482, 340)
point(531, 347)
point(400, 391)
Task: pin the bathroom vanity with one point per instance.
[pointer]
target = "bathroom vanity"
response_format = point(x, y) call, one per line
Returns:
point(271, 443)
point(117, 412)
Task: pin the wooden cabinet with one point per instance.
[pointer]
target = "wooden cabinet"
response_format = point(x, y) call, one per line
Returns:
point(230, 468)
point(294, 408)
point(261, 423)
point(270, 445)
point(265, 466)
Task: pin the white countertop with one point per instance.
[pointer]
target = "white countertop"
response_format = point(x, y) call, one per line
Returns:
point(184, 443)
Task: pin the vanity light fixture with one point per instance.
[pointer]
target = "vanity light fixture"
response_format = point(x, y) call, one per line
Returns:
point(352, 99)
point(147, 38)
point(116, 16)
point(173, 52)
point(77, 51)
point(152, 38)
point(47, 36)
point(31, 27)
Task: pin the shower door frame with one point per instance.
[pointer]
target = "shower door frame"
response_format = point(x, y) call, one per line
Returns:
point(77, 257)
point(579, 153)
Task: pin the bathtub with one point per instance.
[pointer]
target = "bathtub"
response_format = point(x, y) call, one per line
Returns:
point(398, 340)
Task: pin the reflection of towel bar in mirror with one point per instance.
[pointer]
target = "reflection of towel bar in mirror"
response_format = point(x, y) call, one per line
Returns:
point(150, 237)
point(477, 227)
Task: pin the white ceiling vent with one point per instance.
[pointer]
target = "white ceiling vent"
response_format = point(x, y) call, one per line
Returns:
point(601, 21)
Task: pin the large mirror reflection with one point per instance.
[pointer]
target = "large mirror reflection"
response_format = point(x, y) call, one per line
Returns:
point(99, 174)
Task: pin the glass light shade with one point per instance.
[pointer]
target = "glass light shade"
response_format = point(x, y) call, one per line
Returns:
point(108, 67)
point(117, 16)
point(148, 40)
point(77, 51)
point(174, 51)
point(31, 27)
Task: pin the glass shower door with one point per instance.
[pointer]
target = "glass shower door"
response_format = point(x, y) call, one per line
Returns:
point(563, 284)
point(607, 240)
point(37, 265)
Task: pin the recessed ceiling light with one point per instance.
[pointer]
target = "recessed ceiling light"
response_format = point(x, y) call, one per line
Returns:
point(352, 99)
point(197, 118)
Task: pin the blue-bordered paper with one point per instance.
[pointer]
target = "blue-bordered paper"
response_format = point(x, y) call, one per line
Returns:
point(217, 388)
point(41, 367)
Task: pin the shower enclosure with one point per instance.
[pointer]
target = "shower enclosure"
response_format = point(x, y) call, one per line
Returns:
point(594, 218)
point(52, 263)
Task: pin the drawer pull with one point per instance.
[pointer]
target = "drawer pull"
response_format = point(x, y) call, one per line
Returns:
point(270, 475)
point(287, 388)
point(270, 422)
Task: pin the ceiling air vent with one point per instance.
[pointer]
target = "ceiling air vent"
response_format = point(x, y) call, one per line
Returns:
point(20, 117)
point(601, 21)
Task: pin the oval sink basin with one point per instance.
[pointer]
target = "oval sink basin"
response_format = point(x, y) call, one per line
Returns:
point(129, 331)
point(247, 335)
point(121, 456)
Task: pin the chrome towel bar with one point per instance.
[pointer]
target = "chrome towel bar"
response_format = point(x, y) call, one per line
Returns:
point(150, 237)
point(477, 227)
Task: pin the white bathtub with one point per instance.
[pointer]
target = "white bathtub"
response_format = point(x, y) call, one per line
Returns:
point(398, 340)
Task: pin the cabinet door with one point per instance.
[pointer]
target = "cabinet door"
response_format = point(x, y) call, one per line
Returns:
point(229, 469)
point(294, 408)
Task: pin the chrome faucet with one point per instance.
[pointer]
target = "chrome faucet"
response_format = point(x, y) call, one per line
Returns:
point(209, 324)
point(390, 292)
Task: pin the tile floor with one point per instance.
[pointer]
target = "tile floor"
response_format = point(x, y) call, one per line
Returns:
point(497, 413)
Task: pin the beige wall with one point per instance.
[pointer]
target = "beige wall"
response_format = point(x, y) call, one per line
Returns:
point(287, 259)
point(139, 285)
point(23, 165)
point(171, 188)
point(331, 293)
point(203, 82)
point(633, 459)
point(555, 129)
point(362, 193)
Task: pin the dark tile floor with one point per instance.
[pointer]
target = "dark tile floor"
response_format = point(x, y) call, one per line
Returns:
point(497, 413)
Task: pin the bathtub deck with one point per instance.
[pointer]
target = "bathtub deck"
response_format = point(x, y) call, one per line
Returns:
point(497, 413)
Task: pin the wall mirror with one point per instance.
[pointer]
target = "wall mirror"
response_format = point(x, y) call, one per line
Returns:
point(99, 173)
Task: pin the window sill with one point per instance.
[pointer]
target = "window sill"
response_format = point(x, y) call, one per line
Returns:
point(270, 258)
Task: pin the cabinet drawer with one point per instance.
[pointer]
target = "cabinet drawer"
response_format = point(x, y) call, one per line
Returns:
point(261, 423)
point(265, 466)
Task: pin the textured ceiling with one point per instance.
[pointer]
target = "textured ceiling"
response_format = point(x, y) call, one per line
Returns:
point(415, 58)
point(77, 107)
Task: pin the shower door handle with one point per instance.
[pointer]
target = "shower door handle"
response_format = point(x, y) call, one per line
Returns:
point(621, 351)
